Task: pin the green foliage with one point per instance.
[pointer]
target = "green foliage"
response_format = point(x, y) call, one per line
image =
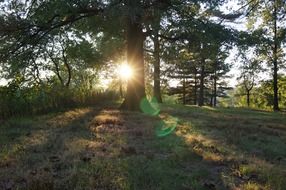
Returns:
point(262, 94)
point(15, 100)
point(170, 99)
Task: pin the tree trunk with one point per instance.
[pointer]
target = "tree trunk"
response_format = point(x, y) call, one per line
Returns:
point(215, 89)
point(248, 98)
point(136, 85)
point(57, 70)
point(157, 86)
point(195, 88)
point(202, 78)
point(275, 67)
point(68, 69)
point(184, 91)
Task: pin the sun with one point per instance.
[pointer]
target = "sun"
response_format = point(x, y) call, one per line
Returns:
point(125, 71)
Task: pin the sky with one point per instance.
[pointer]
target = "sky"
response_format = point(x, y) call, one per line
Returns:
point(3, 82)
point(239, 24)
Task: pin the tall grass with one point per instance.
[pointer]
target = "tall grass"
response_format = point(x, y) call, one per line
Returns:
point(42, 99)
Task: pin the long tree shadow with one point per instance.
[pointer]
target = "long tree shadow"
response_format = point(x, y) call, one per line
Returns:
point(42, 152)
point(112, 149)
point(169, 163)
point(253, 149)
point(248, 133)
point(138, 159)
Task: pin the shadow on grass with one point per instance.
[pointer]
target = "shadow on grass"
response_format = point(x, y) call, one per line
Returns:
point(100, 149)
point(112, 149)
point(37, 153)
point(250, 132)
point(253, 149)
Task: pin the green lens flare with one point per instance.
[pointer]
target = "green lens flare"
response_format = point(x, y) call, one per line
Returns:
point(165, 128)
point(162, 128)
point(150, 107)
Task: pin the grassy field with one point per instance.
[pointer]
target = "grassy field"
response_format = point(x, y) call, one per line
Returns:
point(105, 148)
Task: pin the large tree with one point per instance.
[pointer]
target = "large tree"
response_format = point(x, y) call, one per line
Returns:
point(248, 76)
point(28, 26)
point(269, 18)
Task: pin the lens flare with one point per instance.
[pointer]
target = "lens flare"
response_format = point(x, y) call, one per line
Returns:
point(163, 127)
